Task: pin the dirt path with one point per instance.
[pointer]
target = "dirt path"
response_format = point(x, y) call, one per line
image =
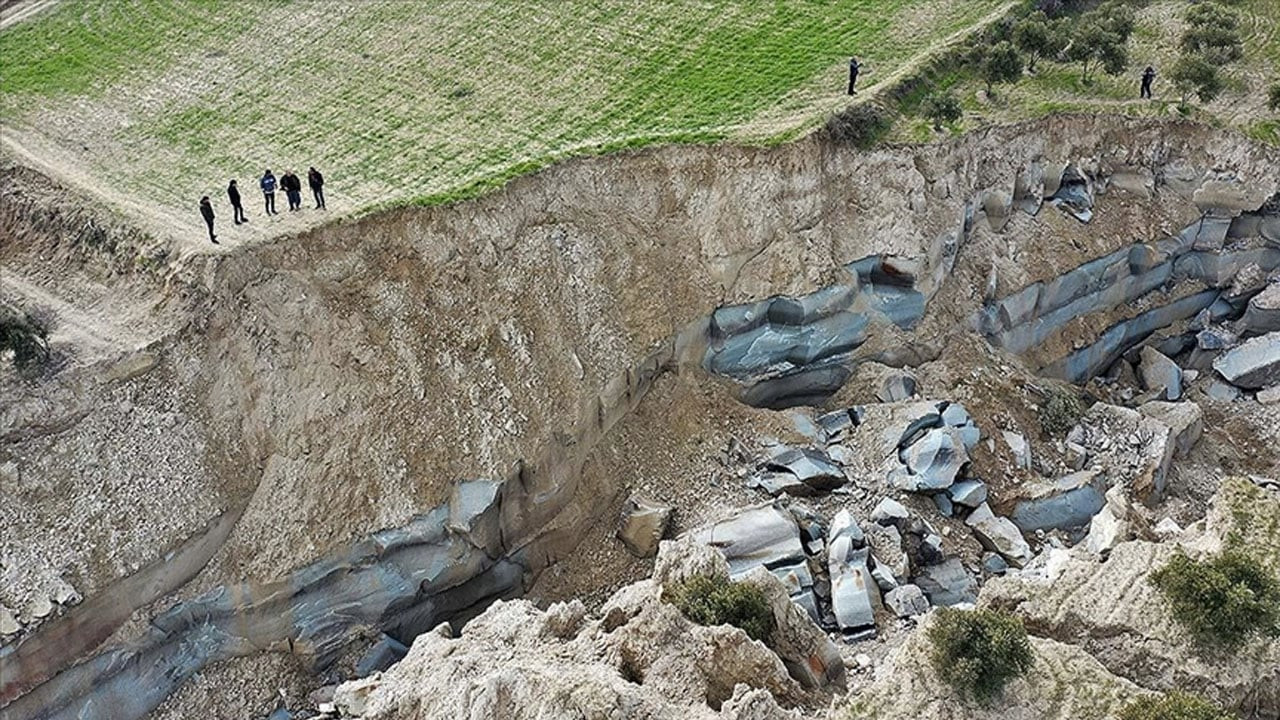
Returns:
point(15, 12)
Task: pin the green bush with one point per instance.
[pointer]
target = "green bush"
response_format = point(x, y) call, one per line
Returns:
point(860, 125)
point(977, 652)
point(942, 108)
point(1173, 706)
point(1273, 97)
point(26, 334)
point(720, 601)
point(1060, 411)
point(1223, 600)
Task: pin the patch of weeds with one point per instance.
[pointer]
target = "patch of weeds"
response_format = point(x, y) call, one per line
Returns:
point(1060, 411)
point(862, 125)
point(25, 334)
point(1221, 601)
point(720, 601)
point(978, 652)
point(1172, 706)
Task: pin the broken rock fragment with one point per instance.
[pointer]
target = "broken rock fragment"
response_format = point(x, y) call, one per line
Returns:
point(1159, 373)
point(947, 583)
point(642, 525)
point(1252, 365)
point(907, 601)
point(933, 461)
point(1000, 535)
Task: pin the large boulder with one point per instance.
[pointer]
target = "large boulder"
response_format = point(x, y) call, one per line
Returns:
point(642, 525)
point(1252, 365)
point(1184, 418)
point(1159, 373)
point(1065, 503)
point(759, 535)
point(947, 583)
point(1263, 313)
point(999, 534)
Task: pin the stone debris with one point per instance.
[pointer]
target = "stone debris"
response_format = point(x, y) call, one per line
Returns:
point(1111, 525)
point(1263, 312)
point(888, 511)
point(386, 652)
point(994, 563)
point(1252, 365)
point(1020, 447)
point(933, 461)
point(1167, 529)
point(760, 535)
point(8, 623)
point(947, 583)
point(1000, 535)
point(1159, 373)
point(854, 594)
point(642, 525)
point(886, 551)
point(907, 601)
point(1221, 391)
point(1126, 446)
point(969, 493)
point(1184, 418)
point(1269, 396)
point(896, 387)
point(814, 469)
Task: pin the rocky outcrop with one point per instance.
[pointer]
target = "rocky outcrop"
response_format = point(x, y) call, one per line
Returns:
point(639, 658)
point(1063, 683)
point(1110, 609)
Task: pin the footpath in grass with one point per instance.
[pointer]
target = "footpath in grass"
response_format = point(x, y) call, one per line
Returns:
point(413, 101)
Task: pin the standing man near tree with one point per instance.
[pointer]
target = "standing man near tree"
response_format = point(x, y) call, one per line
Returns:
point(1148, 76)
point(854, 67)
point(268, 184)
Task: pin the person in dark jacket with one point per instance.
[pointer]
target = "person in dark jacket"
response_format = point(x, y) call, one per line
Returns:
point(292, 189)
point(1148, 76)
point(233, 194)
point(268, 184)
point(206, 209)
point(854, 68)
point(316, 181)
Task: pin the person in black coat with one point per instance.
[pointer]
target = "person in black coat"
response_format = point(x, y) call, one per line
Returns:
point(1148, 76)
point(292, 189)
point(316, 181)
point(206, 209)
point(233, 194)
point(854, 68)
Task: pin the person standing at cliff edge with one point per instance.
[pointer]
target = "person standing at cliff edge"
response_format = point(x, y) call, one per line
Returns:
point(854, 68)
point(1148, 76)
point(316, 181)
point(206, 209)
point(233, 194)
point(268, 184)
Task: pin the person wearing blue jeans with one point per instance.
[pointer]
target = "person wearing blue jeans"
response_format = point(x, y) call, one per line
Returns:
point(268, 184)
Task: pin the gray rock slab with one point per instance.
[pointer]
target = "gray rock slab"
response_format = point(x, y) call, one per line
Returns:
point(1252, 365)
point(760, 535)
point(896, 387)
point(907, 601)
point(935, 459)
point(1068, 502)
point(1159, 373)
point(969, 493)
point(999, 534)
point(642, 525)
point(888, 510)
point(1020, 447)
point(1263, 312)
point(947, 583)
point(854, 593)
point(812, 467)
point(1185, 418)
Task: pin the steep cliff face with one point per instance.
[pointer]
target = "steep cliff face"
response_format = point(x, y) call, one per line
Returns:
point(326, 386)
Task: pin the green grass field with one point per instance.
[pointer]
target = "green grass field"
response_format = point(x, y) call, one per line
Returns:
point(156, 102)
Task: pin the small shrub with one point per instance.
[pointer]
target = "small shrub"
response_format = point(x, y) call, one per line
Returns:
point(942, 108)
point(1060, 411)
point(1223, 600)
point(1173, 706)
point(1002, 64)
point(860, 125)
point(1273, 97)
point(1195, 75)
point(720, 601)
point(977, 652)
point(26, 334)
point(1213, 31)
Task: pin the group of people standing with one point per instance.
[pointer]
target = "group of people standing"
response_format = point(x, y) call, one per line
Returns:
point(287, 183)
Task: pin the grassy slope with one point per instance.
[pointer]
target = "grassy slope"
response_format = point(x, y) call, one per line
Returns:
point(401, 100)
point(1057, 87)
